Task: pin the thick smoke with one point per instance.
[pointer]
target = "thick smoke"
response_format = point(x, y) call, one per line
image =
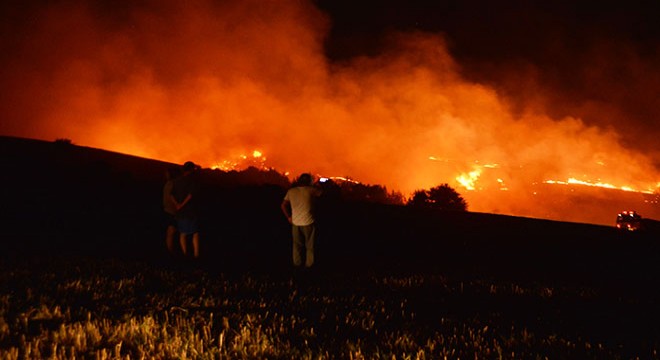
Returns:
point(209, 81)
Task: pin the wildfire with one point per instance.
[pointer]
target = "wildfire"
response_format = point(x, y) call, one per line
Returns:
point(242, 161)
point(469, 180)
point(574, 181)
point(133, 80)
point(258, 160)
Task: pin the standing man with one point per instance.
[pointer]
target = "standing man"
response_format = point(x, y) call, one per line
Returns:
point(298, 207)
point(185, 197)
point(169, 208)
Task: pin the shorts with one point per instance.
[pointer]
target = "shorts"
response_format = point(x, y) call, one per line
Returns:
point(187, 226)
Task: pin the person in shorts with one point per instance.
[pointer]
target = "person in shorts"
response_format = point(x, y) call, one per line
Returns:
point(185, 197)
point(169, 209)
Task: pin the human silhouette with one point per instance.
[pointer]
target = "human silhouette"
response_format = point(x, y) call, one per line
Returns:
point(298, 207)
point(169, 209)
point(185, 197)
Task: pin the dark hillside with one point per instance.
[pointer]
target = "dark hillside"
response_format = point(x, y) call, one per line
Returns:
point(38, 156)
point(62, 197)
point(59, 197)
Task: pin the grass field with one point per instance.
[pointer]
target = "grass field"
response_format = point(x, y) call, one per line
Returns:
point(109, 308)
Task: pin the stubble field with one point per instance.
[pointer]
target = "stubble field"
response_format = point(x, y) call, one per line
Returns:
point(106, 308)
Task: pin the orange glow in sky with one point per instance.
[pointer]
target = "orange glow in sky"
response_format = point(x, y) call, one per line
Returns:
point(212, 81)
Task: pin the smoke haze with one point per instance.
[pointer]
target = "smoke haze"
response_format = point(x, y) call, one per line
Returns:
point(213, 80)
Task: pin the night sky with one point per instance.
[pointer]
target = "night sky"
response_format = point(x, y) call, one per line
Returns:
point(486, 96)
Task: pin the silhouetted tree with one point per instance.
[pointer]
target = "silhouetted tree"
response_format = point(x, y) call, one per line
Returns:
point(354, 191)
point(396, 198)
point(441, 197)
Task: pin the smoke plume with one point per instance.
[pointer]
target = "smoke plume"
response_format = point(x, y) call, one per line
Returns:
point(209, 81)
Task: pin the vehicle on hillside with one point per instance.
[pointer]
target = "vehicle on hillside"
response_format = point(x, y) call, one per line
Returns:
point(629, 221)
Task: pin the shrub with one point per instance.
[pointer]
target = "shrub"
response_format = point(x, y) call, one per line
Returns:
point(442, 197)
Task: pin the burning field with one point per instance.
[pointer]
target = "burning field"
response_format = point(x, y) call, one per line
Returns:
point(218, 81)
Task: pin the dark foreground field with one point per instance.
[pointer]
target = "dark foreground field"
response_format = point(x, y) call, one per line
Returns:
point(84, 274)
point(73, 307)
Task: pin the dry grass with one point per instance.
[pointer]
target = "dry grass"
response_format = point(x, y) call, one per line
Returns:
point(81, 308)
